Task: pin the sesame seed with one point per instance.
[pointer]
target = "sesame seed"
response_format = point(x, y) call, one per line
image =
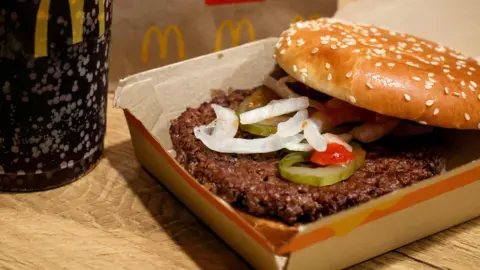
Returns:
point(411, 39)
point(378, 64)
point(450, 77)
point(368, 57)
point(462, 83)
point(303, 77)
point(352, 99)
point(300, 42)
point(327, 65)
point(471, 88)
point(456, 94)
point(315, 50)
point(373, 40)
point(432, 80)
point(434, 63)
point(478, 96)
point(344, 46)
point(303, 70)
point(429, 102)
point(423, 122)
point(369, 85)
point(446, 70)
point(428, 86)
point(416, 78)
point(294, 68)
point(334, 47)
point(349, 74)
point(407, 97)
point(399, 56)
point(446, 90)
point(472, 68)
point(431, 74)
point(410, 63)
point(469, 73)
point(356, 51)
point(278, 45)
point(464, 95)
point(467, 116)
point(289, 42)
point(329, 76)
point(391, 64)
point(474, 84)
point(324, 42)
point(282, 51)
point(436, 111)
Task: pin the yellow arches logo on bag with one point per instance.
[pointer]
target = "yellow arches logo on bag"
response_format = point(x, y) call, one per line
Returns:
point(298, 18)
point(162, 42)
point(76, 15)
point(235, 32)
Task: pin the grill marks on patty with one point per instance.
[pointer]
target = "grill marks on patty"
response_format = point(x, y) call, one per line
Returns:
point(252, 183)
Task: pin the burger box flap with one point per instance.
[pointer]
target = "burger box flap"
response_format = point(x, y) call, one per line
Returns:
point(453, 23)
point(153, 98)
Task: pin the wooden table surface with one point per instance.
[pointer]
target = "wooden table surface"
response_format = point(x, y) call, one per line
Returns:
point(118, 217)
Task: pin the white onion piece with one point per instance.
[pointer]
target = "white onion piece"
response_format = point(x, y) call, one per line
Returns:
point(311, 131)
point(273, 109)
point(370, 132)
point(242, 146)
point(226, 123)
point(301, 147)
point(283, 90)
point(293, 125)
point(339, 139)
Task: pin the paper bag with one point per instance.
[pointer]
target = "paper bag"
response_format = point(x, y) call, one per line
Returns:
point(153, 33)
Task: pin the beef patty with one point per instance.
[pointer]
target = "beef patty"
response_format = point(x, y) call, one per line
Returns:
point(252, 183)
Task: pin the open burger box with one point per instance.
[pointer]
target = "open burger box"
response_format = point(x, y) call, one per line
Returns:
point(153, 98)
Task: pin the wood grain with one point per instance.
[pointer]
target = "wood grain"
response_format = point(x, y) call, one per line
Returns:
point(118, 217)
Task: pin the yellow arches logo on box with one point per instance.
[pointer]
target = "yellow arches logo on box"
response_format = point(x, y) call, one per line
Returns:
point(235, 32)
point(298, 18)
point(163, 42)
point(76, 16)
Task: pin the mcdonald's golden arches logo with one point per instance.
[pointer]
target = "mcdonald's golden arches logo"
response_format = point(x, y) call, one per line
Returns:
point(298, 18)
point(76, 16)
point(235, 32)
point(162, 42)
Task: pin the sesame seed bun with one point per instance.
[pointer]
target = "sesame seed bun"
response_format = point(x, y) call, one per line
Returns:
point(387, 72)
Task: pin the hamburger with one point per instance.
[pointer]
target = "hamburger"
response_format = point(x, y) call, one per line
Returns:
point(350, 113)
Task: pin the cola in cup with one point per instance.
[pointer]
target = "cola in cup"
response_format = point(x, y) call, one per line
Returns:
point(53, 90)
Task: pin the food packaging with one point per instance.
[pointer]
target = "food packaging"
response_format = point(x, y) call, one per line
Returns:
point(153, 98)
point(156, 33)
point(54, 85)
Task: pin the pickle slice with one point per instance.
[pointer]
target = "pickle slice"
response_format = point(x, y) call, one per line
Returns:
point(257, 99)
point(321, 176)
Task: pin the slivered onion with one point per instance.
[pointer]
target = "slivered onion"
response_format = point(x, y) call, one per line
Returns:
point(295, 144)
point(242, 146)
point(226, 124)
point(370, 132)
point(341, 139)
point(281, 88)
point(311, 130)
point(273, 109)
point(293, 125)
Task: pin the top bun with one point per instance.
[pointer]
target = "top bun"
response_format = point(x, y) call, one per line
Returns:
point(387, 72)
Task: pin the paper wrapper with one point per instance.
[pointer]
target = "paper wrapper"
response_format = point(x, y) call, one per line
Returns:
point(53, 83)
point(155, 33)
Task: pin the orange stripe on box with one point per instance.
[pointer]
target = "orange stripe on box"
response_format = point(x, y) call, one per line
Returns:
point(226, 2)
point(201, 191)
point(373, 214)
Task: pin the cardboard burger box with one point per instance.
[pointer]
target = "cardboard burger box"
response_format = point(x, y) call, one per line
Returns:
point(153, 98)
